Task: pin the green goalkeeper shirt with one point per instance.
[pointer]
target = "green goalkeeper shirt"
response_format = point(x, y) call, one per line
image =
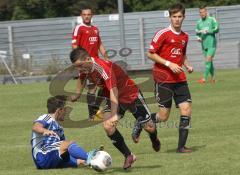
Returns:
point(211, 26)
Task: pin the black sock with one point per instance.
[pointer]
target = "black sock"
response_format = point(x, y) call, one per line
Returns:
point(183, 131)
point(119, 143)
point(91, 102)
point(153, 136)
point(99, 98)
point(154, 117)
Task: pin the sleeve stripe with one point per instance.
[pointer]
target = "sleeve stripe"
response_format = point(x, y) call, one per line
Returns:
point(159, 33)
point(101, 71)
point(46, 118)
point(75, 33)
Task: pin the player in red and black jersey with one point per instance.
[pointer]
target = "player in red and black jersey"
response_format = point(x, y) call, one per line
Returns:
point(87, 36)
point(168, 51)
point(123, 94)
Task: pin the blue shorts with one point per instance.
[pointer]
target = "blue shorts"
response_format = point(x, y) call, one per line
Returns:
point(49, 157)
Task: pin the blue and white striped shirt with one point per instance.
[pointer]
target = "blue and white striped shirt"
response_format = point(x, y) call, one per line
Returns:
point(39, 141)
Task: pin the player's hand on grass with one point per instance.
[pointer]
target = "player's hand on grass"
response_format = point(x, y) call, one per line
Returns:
point(49, 133)
point(175, 68)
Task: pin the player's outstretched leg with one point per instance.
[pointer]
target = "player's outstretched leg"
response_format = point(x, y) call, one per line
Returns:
point(118, 141)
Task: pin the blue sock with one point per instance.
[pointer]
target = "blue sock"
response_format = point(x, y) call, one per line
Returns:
point(77, 152)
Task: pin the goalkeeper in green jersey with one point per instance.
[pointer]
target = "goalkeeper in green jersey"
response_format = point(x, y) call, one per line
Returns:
point(206, 29)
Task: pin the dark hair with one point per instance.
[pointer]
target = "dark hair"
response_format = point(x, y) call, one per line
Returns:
point(56, 102)
point(202, 7)
point(175, 8)
point(86, 8)
point(78, 53)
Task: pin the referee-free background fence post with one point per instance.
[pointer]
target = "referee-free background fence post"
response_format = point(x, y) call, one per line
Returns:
point(238, 44)
point(121, 23)
point(218, 20)
point(11, 47)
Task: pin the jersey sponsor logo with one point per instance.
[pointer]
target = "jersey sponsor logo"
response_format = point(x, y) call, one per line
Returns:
point(175, 52)
point(93, 39)
point(172, 40)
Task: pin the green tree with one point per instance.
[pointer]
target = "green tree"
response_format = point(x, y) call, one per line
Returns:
point(32, 9)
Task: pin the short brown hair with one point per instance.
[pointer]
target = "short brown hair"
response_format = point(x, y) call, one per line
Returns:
point(78, 54)
point(54, 103)
point(175, 8)
point(202, 7)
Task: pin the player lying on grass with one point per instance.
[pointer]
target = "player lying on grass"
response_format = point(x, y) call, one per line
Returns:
point(123, 94)
point(50, 149)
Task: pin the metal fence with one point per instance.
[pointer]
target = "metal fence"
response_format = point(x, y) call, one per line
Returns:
point(49, 40)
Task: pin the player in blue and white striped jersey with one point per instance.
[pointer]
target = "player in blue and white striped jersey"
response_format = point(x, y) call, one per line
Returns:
point(49, 147)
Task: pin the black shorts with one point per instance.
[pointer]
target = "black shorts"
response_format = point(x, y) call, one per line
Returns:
point(138, 108)
point(165, 92)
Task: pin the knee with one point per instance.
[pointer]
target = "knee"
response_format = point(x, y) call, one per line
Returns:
point(186, 110)
point(110, 126)
point(163, 115)
point(65, 144)
point(163, 118)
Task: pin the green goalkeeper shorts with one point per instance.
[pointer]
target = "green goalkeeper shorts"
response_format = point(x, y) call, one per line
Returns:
point(209, 52)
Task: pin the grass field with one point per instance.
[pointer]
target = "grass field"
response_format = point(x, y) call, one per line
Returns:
point(215, 133)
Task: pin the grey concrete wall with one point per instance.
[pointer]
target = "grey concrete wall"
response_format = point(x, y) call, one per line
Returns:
point(46, 39)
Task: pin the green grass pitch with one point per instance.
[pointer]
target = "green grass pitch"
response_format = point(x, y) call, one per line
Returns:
point(214, 136)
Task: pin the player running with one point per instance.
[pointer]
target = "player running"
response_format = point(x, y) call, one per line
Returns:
point(168, 51)
point(50, 149)
point(123, 94)
point(206, 29)
point(87, 36)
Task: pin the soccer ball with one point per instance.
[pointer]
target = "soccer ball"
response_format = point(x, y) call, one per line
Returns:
point(101, 161)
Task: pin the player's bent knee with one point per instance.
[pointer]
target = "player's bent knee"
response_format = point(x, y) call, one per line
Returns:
point(163, 115)
point(163, 118)
point(109, 125)
point(65, 144)
point(186, 110)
